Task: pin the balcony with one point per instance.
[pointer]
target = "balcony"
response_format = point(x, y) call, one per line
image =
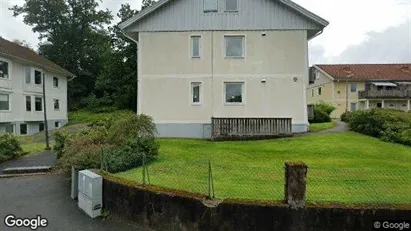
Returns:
point(390, 94)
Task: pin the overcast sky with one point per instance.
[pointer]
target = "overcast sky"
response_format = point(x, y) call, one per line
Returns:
point(360, 31)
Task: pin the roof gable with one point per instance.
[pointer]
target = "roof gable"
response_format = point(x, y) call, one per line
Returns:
point(188, 15)
point(15, 51)
point(368, 72)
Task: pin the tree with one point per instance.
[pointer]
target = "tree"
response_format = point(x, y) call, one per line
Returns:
point(147, 3)
point(23, 43)
point(76, 31)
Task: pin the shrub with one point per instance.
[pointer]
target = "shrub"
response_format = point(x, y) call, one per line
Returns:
point(320, 116)
point(386, 124)
point(345, 116)
point(59, 142)
point(327, 108)
point(117, 144)
point(9, 147)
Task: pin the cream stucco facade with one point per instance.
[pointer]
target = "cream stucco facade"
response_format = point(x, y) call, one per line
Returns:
point(273, 73)
point(334, 92)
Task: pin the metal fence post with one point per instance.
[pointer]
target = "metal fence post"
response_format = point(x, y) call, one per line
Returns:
point(295, 184)
point(210, 181)
point(144, 170)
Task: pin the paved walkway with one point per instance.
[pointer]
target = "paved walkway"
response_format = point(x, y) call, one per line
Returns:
point(46, 158)
point(339, 127)
point(49, 197)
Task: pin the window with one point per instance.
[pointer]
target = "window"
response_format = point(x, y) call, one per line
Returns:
point(57, 124)
point(39, 104)
point(234, 46)
point(195, 46)
point(55, 82)
point(23, 129)
point(319, 91)
point(4, 70)
point(27, 74)
point(10, 128)
point(234, 92)
point(37, 77)
point(231, 5)
point(353, 106)
point(41, 127)
point(353, 87)
point(312, 92)
point(4, 102)
point(56, 104)
point(28, 103)
point(195, 93)
point(210, 5)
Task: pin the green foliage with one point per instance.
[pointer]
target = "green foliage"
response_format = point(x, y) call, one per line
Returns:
point(60, 138)
point(86, 117)
point(320, 116)
point(115, 144)
point(345, 116)
point(386, 124)
point(327, 108)
point(9, 147)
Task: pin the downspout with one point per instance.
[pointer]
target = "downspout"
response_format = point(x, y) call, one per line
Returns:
point(212, 79)
point(137, 44)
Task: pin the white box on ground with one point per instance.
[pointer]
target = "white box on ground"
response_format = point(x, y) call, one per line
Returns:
point(90, 196)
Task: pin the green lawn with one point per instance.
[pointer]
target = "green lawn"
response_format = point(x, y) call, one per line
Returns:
point(345, 167)
point(321, 126)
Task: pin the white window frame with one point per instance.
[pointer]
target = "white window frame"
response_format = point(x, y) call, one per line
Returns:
point(236, 10)
point(25, 103)
point(58, 82)
point(42, 103)
point(351, 87)
point(9, 69)
point(192, 47)
point(13, 127)
point(9, 98)
point(41, 77)
point(54, 101)
point(27, 68)
point(356, 105)
point(320, 91)
point(225, 46)
point(243, 93)
point(209, 10)
point(192, 84)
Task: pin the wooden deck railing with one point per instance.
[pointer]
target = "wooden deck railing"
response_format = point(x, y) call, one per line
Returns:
point(372, 94)
point(250, 128)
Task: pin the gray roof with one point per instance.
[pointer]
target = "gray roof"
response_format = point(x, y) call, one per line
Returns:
point(313, 18)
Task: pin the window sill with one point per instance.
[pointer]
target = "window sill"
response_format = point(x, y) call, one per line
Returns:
point(238, 58)
point(234, 104)
point(196, 58)
point(196, 104)
point(5, 111)
point(231, 11)
point(5, 79)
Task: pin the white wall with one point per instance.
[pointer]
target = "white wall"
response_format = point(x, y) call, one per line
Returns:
point(166, 70)
point(18, 89)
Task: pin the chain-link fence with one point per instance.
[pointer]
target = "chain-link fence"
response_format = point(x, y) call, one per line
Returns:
point(254, 181)
point(359, 185)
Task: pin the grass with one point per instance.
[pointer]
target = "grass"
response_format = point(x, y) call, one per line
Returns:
point(86, 117)
point(343, 167)
point(321, 126)
point(31, 146)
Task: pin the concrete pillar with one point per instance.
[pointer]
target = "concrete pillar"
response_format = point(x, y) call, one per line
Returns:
point(367, 104)
point(382, 103)
point(295, 184)
point(409, 105)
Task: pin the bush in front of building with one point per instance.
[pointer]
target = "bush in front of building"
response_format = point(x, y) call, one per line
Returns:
point(115, 145)
point(322, 113)
point(9, 147)
point(385, 124)
point(345, 116)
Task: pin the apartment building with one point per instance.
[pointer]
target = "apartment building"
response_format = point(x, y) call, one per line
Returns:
point(351, 87)
point(22, 75)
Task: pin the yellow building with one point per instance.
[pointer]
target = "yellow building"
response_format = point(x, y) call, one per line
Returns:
point(351, 87)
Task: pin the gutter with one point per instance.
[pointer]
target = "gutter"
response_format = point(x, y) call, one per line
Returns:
point(319, 33)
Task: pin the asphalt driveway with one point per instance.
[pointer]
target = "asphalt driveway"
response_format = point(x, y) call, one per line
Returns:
point(49, 196)
point(46, 158)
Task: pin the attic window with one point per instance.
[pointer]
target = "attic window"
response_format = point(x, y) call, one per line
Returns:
point(210, 6)
point(4, 70)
